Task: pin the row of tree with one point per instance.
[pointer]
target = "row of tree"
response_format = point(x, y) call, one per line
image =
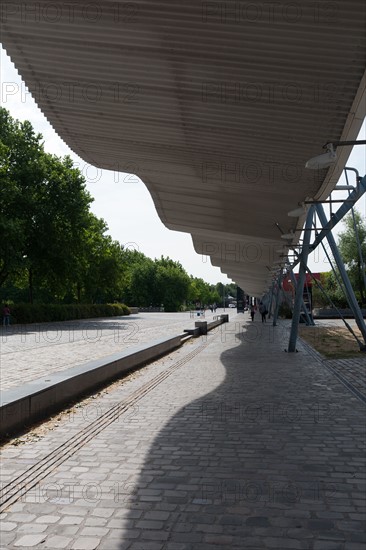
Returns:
point(164, 282)
point(54, 250)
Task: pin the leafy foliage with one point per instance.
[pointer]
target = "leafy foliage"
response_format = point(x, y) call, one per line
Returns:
point(330, 284)
point(43, 210)
point(350, 253)
point(53, 250)
point(202, 292)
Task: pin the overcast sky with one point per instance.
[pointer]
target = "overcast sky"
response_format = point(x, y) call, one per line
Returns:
point(123, 201)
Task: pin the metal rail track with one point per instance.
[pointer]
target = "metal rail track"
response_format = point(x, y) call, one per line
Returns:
point(25, 481)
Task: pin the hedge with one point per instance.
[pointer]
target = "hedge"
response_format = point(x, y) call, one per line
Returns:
point(48, 313)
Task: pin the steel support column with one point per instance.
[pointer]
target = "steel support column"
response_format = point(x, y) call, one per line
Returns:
point(270, 301)
point(300, 283)
point(309, 321)
point(351, 298)
point(277, 303)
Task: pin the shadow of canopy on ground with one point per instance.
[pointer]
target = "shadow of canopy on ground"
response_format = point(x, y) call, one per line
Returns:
point(258, 449)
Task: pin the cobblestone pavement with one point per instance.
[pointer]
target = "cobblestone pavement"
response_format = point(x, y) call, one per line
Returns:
point(28, 352)
point(351, 371)
point(241, 445)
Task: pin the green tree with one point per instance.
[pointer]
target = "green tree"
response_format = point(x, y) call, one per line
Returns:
point(173, 283)
point(55, 249)
point(203, 292)
point(214, 295)
point(21, 169)
point(332, 288)
point(43, 210)
point(99, 264)
point(225, 291)
point(143, 289)
point(130, 260)
point(57, 216)
point(347, 244)
point(157, 282)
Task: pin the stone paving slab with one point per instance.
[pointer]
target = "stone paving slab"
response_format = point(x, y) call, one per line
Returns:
point(353, 370)
point(243, 446)
point(28, 352)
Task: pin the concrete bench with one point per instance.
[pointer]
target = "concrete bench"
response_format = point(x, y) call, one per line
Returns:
point(22, 406)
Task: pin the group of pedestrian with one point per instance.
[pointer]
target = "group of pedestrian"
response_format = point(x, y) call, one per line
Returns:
point(262, 310)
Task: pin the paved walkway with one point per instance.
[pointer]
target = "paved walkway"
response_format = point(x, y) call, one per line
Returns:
point(228, 443)
point(28, 352)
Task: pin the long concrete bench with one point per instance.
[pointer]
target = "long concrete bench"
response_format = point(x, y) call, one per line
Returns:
point(202, 327)
point(22, 406)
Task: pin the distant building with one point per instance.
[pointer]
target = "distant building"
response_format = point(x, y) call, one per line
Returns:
point(289, 289)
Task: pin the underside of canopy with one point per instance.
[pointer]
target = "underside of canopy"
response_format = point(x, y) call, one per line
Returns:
point(215, 106)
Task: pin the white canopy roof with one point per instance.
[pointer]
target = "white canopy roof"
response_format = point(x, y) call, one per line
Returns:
point(216, 106)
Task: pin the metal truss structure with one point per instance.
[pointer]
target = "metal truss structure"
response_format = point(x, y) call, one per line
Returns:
point(302, 258)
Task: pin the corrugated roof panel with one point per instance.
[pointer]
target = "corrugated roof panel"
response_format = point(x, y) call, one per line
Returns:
point(212, 104)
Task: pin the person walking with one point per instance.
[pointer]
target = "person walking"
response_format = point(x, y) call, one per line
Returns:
point(6, 315)
point(252, 312)
point(263, 311)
